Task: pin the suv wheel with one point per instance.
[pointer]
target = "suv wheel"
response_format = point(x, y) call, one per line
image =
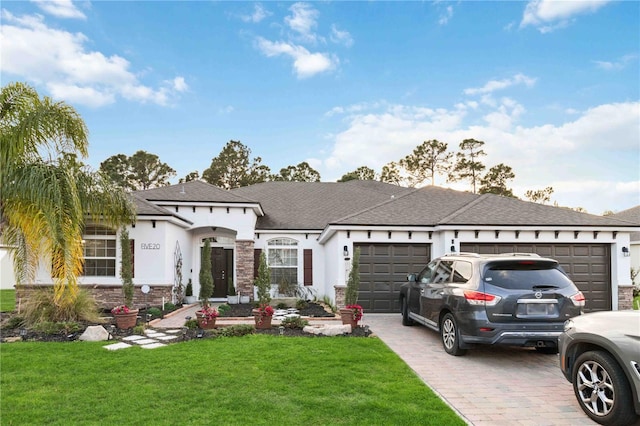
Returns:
point(405, 313)
point(450, 336)
point(602, 389)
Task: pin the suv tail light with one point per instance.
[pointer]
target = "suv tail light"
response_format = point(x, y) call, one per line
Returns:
point(479, 298)
point(578, 299)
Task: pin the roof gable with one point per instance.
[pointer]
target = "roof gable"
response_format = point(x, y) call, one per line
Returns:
point(194, 191)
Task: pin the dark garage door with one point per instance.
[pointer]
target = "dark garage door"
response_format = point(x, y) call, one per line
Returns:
point(383, 269)
point(588, 265)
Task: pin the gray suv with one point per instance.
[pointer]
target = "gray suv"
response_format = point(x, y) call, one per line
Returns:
point(510, 299)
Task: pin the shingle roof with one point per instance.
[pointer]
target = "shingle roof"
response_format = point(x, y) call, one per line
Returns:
point(194, 191)
point(630, 215)
point(313, 205)
point(145, 208)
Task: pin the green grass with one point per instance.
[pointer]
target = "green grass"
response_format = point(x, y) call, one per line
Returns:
point(254, 380)
point(7, 300)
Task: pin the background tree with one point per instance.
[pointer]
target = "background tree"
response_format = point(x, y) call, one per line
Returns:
point(190, 177)
point(233, 169)
point(468, 165)
point(391, 174)
point(427, 160)
point(141, 171)
point(495, 181)
point(542, 196)
point(46, 194)
point(303, 172)
point(361, 173)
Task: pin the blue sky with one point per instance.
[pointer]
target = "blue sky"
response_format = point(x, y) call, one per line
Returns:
point(551, 87)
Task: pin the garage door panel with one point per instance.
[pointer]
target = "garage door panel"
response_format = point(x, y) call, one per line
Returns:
point(588, 265)
point(383, 269)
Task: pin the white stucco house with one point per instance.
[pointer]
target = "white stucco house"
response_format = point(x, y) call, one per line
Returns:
point(310, 231)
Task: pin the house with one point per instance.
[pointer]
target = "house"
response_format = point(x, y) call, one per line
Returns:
point(632, 215)
point(310, 232)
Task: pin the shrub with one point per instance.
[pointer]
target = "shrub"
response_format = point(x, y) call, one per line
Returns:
point(126, 268)
point(14, 322)
point(192, 324)
point(154, 312)
point(263, 281)
point(189, 290)
point(41, 308)
point(206, 279)
point(139, 329)
point(301, 304)
point(281, 305)
point(169, 307)
point(294, 322)
point(353, 283)
point(236, 330)
point(223, 309)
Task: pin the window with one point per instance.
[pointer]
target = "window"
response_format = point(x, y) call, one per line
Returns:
point(99, 251)
point(462, 272)
point(282, 258)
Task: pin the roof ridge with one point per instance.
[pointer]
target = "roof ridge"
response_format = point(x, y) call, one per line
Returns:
point(453, 214)
point(391, 199)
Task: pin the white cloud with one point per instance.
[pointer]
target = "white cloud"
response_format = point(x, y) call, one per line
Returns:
point(494, 85)
point(259, 13)
point(446, 16)
point(303, 20)
point(305, 63)
point(60, 8)
point(549, 15)
point(621, 63)
point(340, 37)
point(59, 59)
point(591, 161)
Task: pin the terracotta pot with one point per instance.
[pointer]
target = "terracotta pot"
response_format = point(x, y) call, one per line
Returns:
point(128, 320)
point(210, 323)
point(262, 321)
point(347, 317)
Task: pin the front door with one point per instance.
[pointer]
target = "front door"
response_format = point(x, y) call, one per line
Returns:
point(221, 270)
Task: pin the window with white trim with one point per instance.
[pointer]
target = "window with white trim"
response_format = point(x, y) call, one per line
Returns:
point(99, 249)
point(282, 258)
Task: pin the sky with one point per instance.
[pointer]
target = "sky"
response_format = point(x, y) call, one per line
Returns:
point(551, 87)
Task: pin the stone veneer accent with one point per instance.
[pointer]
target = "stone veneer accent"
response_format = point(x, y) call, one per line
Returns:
point(625, 298)
point(340, 291)
point(109, 296)
point(244, 267)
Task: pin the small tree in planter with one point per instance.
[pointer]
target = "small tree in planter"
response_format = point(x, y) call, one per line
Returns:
point(207, 315)
point(232, 298)
point(188, 293)
point(352, 312)
point(264, 313)
point(125, 315)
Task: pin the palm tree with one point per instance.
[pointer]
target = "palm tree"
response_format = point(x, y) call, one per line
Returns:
point(46, 194)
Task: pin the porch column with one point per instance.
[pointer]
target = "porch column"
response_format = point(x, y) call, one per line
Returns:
point(244, 267)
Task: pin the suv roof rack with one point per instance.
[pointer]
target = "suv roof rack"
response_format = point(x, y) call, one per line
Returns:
point(463, 253)
point(516, 254)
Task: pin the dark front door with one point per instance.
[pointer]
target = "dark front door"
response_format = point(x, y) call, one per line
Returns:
point(222, 270)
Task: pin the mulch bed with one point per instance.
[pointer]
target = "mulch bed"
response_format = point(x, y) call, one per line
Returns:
point(312, 310)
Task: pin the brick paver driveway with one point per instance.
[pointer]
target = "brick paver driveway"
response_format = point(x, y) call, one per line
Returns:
point(489, 385)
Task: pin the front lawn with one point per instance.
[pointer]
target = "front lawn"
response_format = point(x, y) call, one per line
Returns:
point(254, 379)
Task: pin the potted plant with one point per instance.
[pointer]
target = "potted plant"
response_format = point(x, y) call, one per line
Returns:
point(206, 283)
point(263, 316)
point(189, 298)
point(264, 313)
point(232, 298)
point(206, 317)
point(125, 315)
point(352, 312)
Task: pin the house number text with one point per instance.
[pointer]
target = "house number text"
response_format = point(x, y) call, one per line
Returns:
point(150, 246)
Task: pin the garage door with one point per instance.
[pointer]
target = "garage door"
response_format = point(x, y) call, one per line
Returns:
point(383, 269)
point(588, 265)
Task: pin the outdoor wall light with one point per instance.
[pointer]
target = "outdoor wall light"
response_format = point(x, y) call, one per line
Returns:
point(625, 252)
point(345, 251)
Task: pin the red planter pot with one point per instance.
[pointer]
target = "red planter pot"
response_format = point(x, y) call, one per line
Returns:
point(128, 320)
point(201, 321)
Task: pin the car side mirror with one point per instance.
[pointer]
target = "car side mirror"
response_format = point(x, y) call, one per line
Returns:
point(412, 278)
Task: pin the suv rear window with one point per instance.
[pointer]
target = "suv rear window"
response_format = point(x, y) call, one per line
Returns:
point(525, 275)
